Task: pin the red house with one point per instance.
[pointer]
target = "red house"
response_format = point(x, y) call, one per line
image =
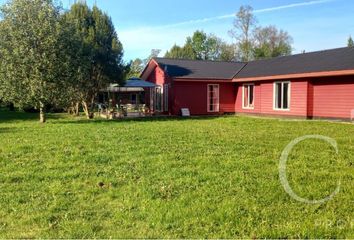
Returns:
point(309, 85)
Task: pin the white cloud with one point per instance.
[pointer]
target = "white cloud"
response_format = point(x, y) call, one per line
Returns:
point(294, 5)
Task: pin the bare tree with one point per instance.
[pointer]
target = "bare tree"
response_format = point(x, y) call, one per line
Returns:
point(243, 26)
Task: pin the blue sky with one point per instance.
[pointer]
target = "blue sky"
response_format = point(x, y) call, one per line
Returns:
point(143, 25)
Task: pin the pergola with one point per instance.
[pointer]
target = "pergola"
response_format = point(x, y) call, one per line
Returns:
point(128, 98)
point(132, 84)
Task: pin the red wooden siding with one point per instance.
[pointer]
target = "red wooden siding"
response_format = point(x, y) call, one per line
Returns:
point(193, 95)
point(327, 97)
point(332, 97)
point(158, 77)
point(257, 99)
point(264, 99)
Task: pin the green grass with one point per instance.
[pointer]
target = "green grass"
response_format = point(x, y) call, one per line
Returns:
point(171, 178)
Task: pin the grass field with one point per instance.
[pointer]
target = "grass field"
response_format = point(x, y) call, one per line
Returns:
point(171, 178)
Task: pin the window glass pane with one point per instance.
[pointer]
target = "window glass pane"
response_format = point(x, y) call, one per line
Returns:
point(285, 95)
point(278, 93)
point(245, 96)
point(213, 98)
point(251, 96)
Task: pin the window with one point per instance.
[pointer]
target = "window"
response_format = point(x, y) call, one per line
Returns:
point(158, 99)
point(213, 98)
point(282, 95)
point(248, 96)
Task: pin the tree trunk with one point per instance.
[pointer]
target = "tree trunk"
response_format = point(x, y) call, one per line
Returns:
point(11, 107)
point(42, 118)
point(76, 109)
point(88, 113)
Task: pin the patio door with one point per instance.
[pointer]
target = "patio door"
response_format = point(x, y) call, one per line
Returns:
point(158, 97)
point(165, 97)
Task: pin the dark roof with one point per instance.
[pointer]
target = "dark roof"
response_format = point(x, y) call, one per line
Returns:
point(198, 69)
point(321, 61)
point(138, 82)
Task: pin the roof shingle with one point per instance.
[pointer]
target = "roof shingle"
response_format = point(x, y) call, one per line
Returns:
point(198, 69)
point(321, 61)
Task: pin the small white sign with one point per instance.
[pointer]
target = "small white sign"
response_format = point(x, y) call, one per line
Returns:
point(185, 112)
point(352, 115)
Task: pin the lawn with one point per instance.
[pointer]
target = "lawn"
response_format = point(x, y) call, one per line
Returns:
point(172, 178)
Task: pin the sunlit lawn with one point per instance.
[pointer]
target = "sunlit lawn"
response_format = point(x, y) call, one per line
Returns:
point(172, 178)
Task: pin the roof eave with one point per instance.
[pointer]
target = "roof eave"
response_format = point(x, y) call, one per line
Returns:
point(201, 80)
point(297, 75)
point(147, 67)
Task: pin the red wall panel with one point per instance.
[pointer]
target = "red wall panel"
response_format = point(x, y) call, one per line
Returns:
point(158, 77)
point(264, 99)
point(257, 99)
point(329, 97)
point(193, 95)
point(332, 97)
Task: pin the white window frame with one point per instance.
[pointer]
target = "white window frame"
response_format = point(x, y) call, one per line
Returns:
point(217, 105)
point(243, 95)
point(275, 108)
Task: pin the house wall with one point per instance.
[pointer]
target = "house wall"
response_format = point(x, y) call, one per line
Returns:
point(158, 77)
point(193, 95)
point(333, 97)
point(327, 97)
point(264, 99)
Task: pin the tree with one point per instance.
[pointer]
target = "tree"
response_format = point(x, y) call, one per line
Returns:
point(185, 52)
point(153, 54)
point(101, 51)
point(205, 47)
point(243, 27)
point(200, 46)
point(228, 52)
point(350, 42)
point(35, 64)
point(270, 42)
point(134, 68)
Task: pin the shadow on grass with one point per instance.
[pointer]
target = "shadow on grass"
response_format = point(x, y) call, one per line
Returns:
point(11, 116)
point(5, 130)
point(62, 118)
point(131, 120)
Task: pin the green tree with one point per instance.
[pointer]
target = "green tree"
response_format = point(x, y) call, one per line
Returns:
point(243, 26)
point(101, 51)
point(175, 52)
point(270, 42)
point(185, 52)
point(35, 64)
point(200, 46)
point(350, 42)
point(206, 47)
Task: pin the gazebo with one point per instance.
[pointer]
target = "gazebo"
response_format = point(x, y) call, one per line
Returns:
point(127, 100)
